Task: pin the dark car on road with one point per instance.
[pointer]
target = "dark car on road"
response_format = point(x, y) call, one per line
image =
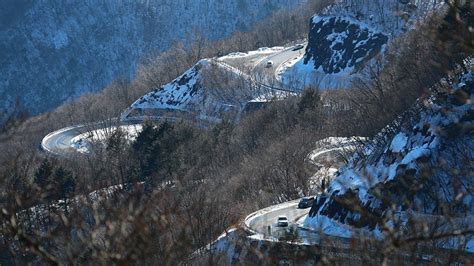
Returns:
point(298, 47)
point(306, 202)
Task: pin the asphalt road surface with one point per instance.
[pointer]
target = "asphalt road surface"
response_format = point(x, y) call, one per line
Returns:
point(256, 64)
point(264, 222)
point(59, 142)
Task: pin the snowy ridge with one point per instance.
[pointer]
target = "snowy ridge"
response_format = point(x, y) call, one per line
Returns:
point(176, 94)
point(207, 91)
point(424, 164)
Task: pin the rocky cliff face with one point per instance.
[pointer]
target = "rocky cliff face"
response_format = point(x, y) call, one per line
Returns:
point(425, 167)
point(52, 51)
point(348, 35)
point(337, 44)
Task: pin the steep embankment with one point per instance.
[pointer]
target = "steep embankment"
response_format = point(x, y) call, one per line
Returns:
point(210, 90)
point(347, 36)
point(423, 168)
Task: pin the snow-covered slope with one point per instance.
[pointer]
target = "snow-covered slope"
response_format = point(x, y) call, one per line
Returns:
point(210, 90)
point(348, 35)
point(56, 50)
point(176, 94)
point(424, 167)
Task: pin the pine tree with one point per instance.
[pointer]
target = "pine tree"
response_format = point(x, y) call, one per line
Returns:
point(116, 141)
point(145, 150)
point(42, 175)
point(310, 100)
point(66, 182)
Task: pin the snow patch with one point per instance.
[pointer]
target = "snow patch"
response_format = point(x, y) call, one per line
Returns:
point(82, 143)
point(259, 51)
point(415, 154)
point(399, 142)
point(328, 226)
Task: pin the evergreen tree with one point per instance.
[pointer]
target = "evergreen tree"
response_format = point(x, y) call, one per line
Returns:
point(116, 142)
point(43, 174)
point(155, 149)
point(309, 108)
point(65, 186)
point(145, 150)
point(310, 100)
point(65, 181)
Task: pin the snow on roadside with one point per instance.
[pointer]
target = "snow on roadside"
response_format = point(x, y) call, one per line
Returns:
point(285, 66)
point(328, 168)
point(82, 143)
point(47, 138)
point(254, 215)
point(274, 95)
point(260, 51)
point(333, 144)
point(329, 226)
point(300, 75)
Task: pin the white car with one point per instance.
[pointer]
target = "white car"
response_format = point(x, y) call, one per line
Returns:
point(282, 221)
point(269, 64)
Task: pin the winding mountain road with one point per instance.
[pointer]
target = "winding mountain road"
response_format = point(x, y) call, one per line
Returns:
point(256, 64)
point(263, 222)
point(269, 74)
point(60, 142)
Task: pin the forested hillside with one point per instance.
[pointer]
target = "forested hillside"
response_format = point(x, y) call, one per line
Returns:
point(53, 51)
point(210, 151)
